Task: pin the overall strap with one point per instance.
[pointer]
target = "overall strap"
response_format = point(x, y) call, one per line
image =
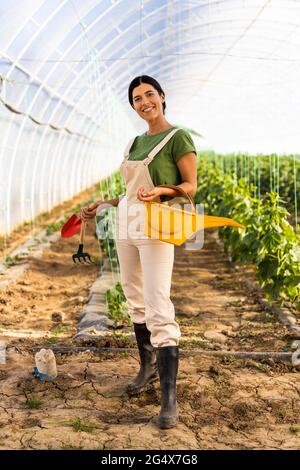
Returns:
point(128, 147)
point(159, 146)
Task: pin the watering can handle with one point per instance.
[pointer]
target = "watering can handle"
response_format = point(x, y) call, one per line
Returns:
point(182, 191)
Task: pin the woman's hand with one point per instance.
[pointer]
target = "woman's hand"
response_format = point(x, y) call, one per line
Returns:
point(87, 214)
point(152, 195)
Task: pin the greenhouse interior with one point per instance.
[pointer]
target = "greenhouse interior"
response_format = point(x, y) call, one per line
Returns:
point(149, 226)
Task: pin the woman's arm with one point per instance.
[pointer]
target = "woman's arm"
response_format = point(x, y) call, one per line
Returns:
point(86, 213)
point(187, 166)
point(109, 202)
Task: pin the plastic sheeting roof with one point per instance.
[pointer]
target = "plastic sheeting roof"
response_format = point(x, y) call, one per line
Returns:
point(229, 68)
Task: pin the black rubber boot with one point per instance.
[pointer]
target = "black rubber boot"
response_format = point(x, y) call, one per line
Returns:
point(167, 361)
point(148, 366)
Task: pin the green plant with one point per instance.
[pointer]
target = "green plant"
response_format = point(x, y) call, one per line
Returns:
point(33, 403)
point(81, 426)
point(266, 173)
point(51, 340)
point(294, 430)
point(54, 227)
point(59, 329)
point(8, 262)
point(116, 305)
point(268, 240)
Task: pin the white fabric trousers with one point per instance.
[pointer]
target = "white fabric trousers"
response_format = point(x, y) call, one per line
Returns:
point(146, 272)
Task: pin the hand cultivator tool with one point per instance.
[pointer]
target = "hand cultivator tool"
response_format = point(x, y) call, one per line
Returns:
point(73, 226)
point(80, 254)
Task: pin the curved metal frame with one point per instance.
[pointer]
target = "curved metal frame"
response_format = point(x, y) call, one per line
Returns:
point(50, 145)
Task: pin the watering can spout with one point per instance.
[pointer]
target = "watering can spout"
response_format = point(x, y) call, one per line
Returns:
point(175, 226)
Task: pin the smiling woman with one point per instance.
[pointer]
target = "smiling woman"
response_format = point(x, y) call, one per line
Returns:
point(146, 95)
point(148, 99)
point(163, 155)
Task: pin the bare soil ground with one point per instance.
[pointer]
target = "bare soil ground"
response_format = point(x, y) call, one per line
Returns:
point(224, 403)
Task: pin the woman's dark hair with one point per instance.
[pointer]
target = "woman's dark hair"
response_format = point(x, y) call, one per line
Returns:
point(145, 79)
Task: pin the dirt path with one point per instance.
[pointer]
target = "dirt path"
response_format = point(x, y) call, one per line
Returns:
point(214, 307)
point(224, 403)
point(52, 284)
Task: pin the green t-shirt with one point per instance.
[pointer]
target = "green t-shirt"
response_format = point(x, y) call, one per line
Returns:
point(163, 168)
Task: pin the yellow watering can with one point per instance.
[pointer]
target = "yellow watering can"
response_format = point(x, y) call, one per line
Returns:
point(174, 225)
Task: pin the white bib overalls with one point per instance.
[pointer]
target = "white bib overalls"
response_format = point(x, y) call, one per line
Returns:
point(145, 264)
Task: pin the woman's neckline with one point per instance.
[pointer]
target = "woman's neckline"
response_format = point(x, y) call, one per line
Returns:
point(153, 135)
